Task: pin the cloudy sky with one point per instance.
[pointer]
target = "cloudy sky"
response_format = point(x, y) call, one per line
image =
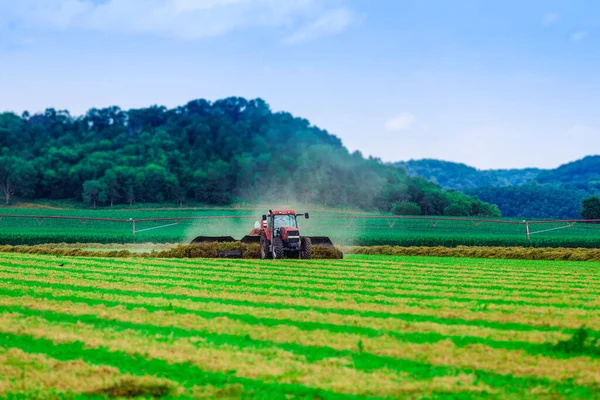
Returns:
point(491, 83)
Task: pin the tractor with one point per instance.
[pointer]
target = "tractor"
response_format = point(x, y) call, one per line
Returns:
point(278, 236)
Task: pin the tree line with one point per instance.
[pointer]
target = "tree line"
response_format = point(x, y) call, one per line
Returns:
point(215, 153)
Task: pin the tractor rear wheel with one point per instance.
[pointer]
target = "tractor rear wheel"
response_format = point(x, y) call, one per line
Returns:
point(306, 251)
point(277, 248)
point(264, 247)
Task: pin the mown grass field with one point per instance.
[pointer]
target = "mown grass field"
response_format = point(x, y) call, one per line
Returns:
point(345, 228)
point(364, 327)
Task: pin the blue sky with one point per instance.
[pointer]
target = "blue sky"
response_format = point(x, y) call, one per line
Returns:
point(494, 84)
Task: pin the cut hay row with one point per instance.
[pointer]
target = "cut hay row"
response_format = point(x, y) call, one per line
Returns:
point(428, 293)
point(259, 281)
point(298, 271)
point(180, 317)
point(382, 265)
point(374, 300)
point(396, 266)
point(574, 252)
point(256, 282)
point(536, 314)
point(227, 350)
point(32, 374)
point(248, 328)
point(256, 285)
point(395, 274)
point(523, 251)
point(273, 314)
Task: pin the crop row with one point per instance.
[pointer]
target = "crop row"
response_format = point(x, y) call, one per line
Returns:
point(378, 300)
point(138, 325)
point(248, 277)
point(363, 268)
point(313, 272)
point(20, 236)
point(344, 231)
point(212, 250)
point(367, 326)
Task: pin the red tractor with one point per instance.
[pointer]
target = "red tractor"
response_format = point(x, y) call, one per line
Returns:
point(280, 237)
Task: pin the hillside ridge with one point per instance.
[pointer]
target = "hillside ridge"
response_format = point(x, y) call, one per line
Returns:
point(522, 193)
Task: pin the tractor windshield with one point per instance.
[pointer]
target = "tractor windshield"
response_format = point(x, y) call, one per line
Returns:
point(284, 220)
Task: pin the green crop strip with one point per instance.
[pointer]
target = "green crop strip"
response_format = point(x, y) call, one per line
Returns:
point(308, 293)
point(274, 322)
point(413, 300)
point(428, 327)
point(203, 270)
point(306, 288)
point(184, 373)
point(341, 276)
point(359, 264)
point(244, 341)
point(135, 295)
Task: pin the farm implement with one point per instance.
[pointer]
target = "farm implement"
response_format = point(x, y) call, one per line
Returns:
point(278, 236)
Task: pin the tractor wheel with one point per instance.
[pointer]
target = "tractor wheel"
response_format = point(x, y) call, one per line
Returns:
point(264, 247)
point(306, 251)
point(277, 248)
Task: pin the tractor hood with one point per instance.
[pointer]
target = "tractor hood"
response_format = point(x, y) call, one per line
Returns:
point(288, 232)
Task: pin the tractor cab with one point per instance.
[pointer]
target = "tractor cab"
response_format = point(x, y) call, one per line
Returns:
point(279, 222)
point(286, 220)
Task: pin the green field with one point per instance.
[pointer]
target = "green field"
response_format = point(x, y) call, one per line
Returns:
point(344, 231)
point(365, 327)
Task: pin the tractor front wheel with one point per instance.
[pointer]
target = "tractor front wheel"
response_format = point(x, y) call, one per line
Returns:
point(265, 252)
point(306, 251)
point(277, 247)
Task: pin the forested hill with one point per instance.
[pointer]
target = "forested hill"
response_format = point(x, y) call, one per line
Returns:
point(208, 152)
point(523, 193)
point(461, 176)
point(581, 174)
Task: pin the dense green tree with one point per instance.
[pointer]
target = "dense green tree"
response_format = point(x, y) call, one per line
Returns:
point(590, 208)
point(456, 209)
point(231, 150)
point(17, 177)
point(112, 186)
point(406, 208)
point(94, 191)
point(534, 200)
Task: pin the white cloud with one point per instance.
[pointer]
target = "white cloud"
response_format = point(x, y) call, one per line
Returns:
point(578, 36)
point(550, 19)
point(184, 19)
point(330, 23)
point(401, 122)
